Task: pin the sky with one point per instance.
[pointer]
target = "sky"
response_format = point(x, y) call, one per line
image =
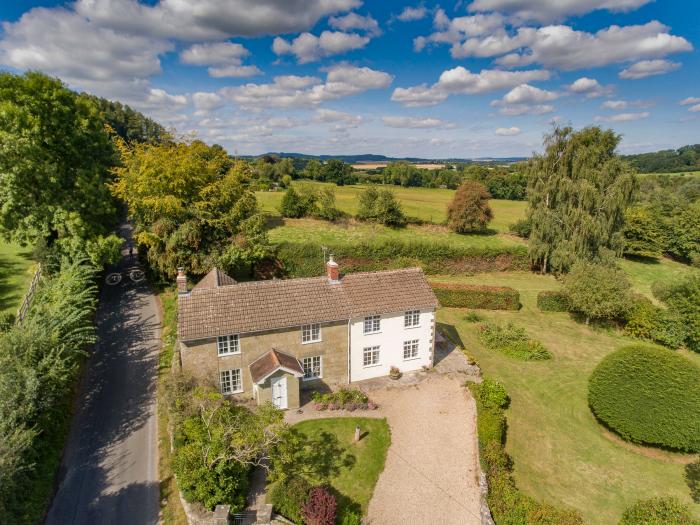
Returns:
point(465, 79)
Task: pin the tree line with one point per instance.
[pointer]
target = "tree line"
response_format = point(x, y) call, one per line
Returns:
point(686, 158)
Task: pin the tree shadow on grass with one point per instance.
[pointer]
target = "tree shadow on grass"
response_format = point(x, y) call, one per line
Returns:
point(321, 457)
point(692, 479)
point(643, 260)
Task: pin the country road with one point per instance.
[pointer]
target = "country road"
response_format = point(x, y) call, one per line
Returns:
point(109, 473)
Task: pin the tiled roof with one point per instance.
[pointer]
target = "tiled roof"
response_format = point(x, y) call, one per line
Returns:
point(214, 279)
point(272, 361)
point(266, 305)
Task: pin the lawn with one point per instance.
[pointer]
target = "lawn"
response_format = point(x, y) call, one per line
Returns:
point(562, 455)
point(426, 204)
point(644, 272)
point(356, 479)
point(16, 270)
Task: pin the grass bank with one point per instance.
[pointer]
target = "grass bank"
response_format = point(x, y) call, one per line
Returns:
point(562, 455)
point(16, 270)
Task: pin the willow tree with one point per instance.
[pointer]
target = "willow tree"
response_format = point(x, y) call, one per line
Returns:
point(577, 193)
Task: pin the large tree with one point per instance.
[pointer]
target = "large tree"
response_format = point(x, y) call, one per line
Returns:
point(578, 191)
point(55, 156)
point(469, 210)
point(191, 205)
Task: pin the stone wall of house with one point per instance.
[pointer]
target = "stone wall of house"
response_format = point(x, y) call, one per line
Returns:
point(200, 358)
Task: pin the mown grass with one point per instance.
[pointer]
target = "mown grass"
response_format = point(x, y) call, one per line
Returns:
point(645, 272)
point(356, 480)
point(426, 204)
point(16, 270)
point(562, 455)
point(171, 511)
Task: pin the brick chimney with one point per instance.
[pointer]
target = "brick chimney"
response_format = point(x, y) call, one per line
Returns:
point(332, 270)
point(181, 281)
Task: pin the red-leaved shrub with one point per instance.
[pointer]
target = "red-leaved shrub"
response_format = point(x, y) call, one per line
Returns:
point(320, 507)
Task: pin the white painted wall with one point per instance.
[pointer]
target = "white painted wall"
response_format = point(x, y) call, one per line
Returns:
point(390, 339)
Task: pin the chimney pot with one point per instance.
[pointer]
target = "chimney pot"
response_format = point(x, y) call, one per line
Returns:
point(332, 270)
point(181, 281)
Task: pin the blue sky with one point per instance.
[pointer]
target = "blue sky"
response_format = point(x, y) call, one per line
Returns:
point(476, 78)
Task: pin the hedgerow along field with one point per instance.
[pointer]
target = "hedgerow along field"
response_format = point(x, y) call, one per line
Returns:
point(562, 454)
point(426, 204)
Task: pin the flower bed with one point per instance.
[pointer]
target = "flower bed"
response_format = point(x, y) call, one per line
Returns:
point(344, 399)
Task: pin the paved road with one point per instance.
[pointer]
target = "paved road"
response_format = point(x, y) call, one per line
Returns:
point(109, 474)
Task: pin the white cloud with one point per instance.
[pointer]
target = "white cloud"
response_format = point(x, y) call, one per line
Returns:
point(526, 109)
point(508, 132)
point(341, 121)
point(550, 10)
point(225, 59)
point(205, 102)
point(308, 48)
point(410, 14)
point(565, 48)
point(455, 30)
point(211, 19)
point(690, 100)
point(295, 91)
point(614, 104)
point(462, 81)
point(416, 122)
point(354, 21)
point(648, 68)
point(623, 117)
point(590, 88)
point(694, 108)
point(526, 100)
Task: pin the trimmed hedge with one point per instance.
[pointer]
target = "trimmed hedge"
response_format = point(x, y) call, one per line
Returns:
point(648, 395)
point(476, 296)
point(304, 259)
point(508, 505)
point(551, 301)
point(658, 511)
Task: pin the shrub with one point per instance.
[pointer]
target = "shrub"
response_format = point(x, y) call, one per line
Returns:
point(343, 398)
point(513, 341)
point(643, 232)
point(651, 323)
point(551, 301)
point(469, 210)
point(288, 497)
point(350, 518)
point(683, 302)
point(380, 205)
point(490, 394)
point(598, 291)
point(658, 511)
point(648, 395)
point(521, 228)
point(476, 296)
point(320, 507)
point(473, 317)
point(326, 205)
point(292, 205)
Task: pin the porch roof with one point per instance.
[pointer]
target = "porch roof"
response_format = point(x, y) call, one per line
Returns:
point(272, 361)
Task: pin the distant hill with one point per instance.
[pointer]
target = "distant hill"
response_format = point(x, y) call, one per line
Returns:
point(686, 158)
point(371, 157)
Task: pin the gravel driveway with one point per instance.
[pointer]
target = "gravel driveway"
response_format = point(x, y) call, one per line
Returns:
point(430, 474)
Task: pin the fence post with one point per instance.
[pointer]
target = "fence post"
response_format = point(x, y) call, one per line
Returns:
point(22, 311)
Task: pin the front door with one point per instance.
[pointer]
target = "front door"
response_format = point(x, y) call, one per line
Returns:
point(279, 391)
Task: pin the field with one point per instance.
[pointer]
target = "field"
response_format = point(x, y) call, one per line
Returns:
point(562, 455)
point(16, 269)
point(375, 165)
point(426, 204)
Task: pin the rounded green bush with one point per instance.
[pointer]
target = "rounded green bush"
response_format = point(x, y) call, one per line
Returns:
point(658, 511)
point(648, 395)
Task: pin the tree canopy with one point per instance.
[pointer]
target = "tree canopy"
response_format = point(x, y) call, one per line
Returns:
point(55, 155)
point(578, 191)
point(191, 205)
point(469, 210)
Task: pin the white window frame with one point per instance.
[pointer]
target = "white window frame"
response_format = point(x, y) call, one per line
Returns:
point(372, 324)
point(307, 333)
point(307, 363)
point(374, 353)
point(230, 344)
point(411, 319)
point(410, 349)
point(228, 380)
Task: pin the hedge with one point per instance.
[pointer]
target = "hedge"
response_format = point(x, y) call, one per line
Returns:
point(477, 296)
point(551, 301)
point(508, 505)
point(658, 511)
point(305, 260)
point(648, 395)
